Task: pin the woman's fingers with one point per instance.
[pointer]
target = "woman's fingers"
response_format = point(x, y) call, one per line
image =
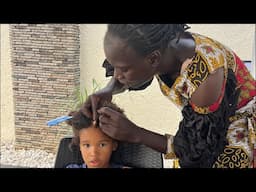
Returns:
point(94, 105)
point(104, 119)
point(106, 111)
point(86, 109)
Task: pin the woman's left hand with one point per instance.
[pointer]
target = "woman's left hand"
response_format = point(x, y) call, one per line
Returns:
point(117, 126)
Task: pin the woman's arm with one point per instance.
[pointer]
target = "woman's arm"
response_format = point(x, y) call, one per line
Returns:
point(201, 136)
point(210, 90)
point(115, 87)
point(93, 102)
point(153, 140)
point(119, 127)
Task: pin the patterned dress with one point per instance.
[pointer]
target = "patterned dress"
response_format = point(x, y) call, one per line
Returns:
point(222, 134)
point(239, 131)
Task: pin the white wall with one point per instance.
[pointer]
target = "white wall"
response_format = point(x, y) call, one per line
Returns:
point(7, 107)
point(238, 37)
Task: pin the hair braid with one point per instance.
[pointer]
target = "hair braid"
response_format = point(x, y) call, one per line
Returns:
point(145, 38)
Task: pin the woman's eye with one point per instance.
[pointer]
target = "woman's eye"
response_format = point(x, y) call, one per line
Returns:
point(124, 70)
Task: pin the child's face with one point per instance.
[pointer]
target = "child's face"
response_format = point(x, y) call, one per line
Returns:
point(96, 147)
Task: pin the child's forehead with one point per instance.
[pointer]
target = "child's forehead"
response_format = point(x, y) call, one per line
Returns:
point(93, 132)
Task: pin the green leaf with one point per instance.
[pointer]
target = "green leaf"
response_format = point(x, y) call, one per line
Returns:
point(79, 96)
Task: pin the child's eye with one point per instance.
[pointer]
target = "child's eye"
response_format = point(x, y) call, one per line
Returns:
point(86, 145)
point(103, 144)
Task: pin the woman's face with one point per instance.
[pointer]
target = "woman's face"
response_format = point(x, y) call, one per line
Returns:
point(130, 68)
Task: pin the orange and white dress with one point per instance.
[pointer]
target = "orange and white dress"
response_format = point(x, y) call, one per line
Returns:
point(222, 134)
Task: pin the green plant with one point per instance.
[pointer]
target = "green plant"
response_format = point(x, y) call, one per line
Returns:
point(80, 95)
point(77, 98)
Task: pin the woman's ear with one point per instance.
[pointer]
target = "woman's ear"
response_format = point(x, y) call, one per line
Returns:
point(115, 145)
point(154, 58)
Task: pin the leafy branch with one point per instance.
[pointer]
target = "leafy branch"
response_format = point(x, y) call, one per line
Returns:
point(81, 95)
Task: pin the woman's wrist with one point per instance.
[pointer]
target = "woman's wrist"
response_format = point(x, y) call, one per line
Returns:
point(137, 135)
point(151, 139)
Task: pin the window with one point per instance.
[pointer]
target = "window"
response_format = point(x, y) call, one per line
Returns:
point(249, 65)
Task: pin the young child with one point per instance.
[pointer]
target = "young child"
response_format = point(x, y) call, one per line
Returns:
point(95, 146)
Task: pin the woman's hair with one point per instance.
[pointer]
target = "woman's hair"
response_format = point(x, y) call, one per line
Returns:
point(80, 121)
point(145, 38)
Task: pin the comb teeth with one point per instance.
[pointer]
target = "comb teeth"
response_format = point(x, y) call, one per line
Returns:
point(58, 120)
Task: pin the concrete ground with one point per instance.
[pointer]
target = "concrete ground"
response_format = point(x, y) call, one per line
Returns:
point(10, 166)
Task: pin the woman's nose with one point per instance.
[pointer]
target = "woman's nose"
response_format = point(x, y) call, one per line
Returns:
point(117, 74)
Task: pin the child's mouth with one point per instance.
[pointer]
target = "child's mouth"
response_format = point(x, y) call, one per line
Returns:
point(94, 163)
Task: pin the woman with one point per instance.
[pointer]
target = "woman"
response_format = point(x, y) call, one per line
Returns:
point(204, 78)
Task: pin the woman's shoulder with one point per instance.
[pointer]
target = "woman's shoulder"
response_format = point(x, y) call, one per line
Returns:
point(211, 52)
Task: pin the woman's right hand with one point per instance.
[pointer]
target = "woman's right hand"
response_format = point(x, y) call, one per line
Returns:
point(94, 101)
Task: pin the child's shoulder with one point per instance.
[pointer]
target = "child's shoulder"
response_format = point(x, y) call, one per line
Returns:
point(114, 165)
point(74, 165)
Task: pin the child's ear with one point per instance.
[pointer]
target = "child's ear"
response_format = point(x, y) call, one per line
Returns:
point(115, 145)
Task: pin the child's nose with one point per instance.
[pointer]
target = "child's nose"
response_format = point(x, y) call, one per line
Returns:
point(94, 151)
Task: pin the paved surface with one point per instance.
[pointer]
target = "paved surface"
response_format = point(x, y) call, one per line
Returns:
point(10, 166)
